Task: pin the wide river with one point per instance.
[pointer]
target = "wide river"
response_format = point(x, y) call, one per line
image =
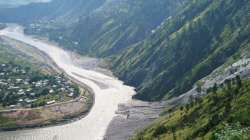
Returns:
point(94, 125)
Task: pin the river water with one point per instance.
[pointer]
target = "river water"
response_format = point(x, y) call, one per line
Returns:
point(107, 98)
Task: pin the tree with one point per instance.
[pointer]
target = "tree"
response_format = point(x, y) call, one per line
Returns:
point(187, 107)
point(199, 87)
point(173, 129)
point(215, 88)
point(228, 82)
point(45, 91)
point(227, 109)
point(238, 81)
point(160, 130)
point(181, 108)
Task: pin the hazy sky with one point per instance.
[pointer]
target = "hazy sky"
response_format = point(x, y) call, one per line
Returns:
point(19, 2)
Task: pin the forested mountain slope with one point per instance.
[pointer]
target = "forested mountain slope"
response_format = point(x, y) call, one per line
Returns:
point(161, 47)
point(185, 48)
point(120, 23)
point(94, 27)
point(222, 115)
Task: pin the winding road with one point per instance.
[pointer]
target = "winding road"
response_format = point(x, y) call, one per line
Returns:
point(94, 125)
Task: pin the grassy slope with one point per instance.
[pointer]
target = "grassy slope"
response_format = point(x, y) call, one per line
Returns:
point(186, 48)
point(9, 54)
point(205, 117)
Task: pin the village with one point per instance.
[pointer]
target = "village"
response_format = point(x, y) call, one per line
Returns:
point(20, 87)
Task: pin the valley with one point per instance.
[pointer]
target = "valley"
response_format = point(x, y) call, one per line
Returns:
point(111, 92)
point(34, 89)
point(163, 69)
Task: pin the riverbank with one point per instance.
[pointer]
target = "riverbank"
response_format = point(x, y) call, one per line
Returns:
point(58, 114)
point(133, 117)
point(94, 125)
point(51, 115)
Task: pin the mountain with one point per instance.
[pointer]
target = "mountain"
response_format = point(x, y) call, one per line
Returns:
point(120, 23)
point(185, 48)
point(53, 12)
point(16, 3)
point(164, 48)
point(108, 27)
point(221, 115)
point(161, 47)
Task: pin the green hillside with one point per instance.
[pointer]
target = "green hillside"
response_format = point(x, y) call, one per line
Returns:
point(106, 27)
point(221, 115)
point(118, 24)
point(11, 55)
point(161, 47)
point(164, 46)
point(185, 48)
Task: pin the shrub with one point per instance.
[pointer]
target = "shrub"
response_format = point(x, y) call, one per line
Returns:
point(231, 132)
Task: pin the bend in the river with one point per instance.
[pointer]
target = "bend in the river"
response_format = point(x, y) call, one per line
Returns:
point(94, 125)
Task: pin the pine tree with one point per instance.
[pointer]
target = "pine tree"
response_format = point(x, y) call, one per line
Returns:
point(238, 81)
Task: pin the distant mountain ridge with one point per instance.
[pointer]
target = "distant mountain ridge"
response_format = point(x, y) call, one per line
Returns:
point(15, 3)
point(61, 11)
point(161, 47)
point(106, 26)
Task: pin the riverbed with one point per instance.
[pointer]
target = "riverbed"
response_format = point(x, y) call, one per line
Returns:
point(109, 93)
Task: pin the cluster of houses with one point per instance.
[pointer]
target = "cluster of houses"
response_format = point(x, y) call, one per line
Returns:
point(39, 27)
point(21, 88)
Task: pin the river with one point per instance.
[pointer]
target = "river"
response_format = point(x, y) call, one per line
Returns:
point(107, 98)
